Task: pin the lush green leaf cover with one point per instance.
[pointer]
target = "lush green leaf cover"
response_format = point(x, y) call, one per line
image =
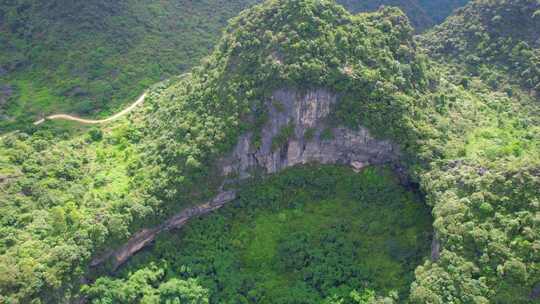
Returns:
point(92, 57)
point(61, 199)
point(307, 235)
point(496, 40)
point(473, 149)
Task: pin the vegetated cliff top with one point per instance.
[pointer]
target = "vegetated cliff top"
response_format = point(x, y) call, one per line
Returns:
point(315, 42)
point(491, 35)
point(368, 59)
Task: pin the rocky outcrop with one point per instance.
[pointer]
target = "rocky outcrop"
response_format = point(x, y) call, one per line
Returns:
point(309, 138)
point(435, 248)
point(145, 237)
point(312, 138)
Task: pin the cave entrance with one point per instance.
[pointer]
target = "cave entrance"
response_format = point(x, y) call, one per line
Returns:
point(309, 234)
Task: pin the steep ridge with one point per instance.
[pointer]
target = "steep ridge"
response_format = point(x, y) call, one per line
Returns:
point(145, 237)
point(423, 14)
point(307, 115)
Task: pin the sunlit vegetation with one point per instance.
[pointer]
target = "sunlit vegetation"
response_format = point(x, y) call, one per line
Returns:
point(61, 199)
point(494, 40)
point(93, 57)
point(308, 235)
point(471, 142)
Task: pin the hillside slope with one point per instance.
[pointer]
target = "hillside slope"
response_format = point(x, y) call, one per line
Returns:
point(91, 57)
point(496, 40)
point(422, 13)
point(288, 79)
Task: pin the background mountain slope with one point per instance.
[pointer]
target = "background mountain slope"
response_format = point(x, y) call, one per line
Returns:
point(496, 40)
point(92, 57)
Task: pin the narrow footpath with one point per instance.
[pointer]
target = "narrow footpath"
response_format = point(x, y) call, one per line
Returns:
point(92, 121)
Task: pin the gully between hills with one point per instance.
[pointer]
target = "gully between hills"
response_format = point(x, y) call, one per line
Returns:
point(305, 115)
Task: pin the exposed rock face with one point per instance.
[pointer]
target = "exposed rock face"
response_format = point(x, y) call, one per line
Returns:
point(435, 248)
point(145, 237)
point(307, 114)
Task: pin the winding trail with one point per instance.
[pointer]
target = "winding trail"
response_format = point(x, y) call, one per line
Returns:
point(92, 121)
point(85, 121)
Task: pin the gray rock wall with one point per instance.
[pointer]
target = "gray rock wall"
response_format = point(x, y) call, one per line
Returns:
point(308, 111)
point(308, 114)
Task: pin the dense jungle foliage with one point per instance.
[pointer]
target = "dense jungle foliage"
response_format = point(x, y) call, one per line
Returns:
point(92, 57)
point(307, 235)
point(422, 13)
point(498, 41)
point(61, 199)
point(473, 147)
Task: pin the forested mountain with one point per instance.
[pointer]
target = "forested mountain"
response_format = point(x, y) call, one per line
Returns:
point(441, 207)
point(92, 57)
point(496, 40)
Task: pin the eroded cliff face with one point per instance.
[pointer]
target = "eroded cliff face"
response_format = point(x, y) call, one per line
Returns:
point(310, 138)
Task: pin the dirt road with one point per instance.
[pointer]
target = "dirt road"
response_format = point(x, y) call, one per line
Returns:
point(92, 121)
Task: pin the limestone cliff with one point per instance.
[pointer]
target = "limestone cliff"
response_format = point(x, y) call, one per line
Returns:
point(310, 139)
